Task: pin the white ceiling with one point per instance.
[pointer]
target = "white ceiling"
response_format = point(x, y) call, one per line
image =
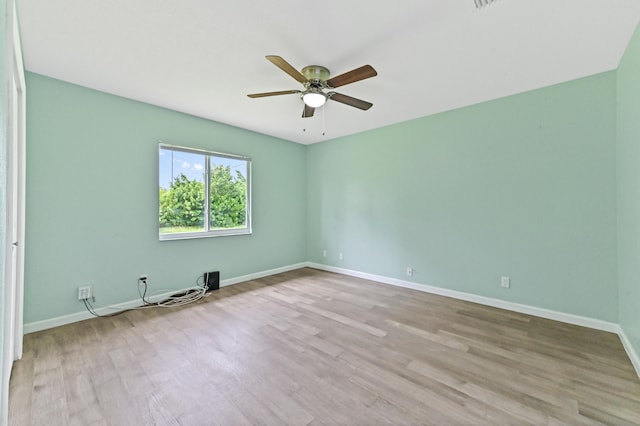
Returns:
point(202, 57)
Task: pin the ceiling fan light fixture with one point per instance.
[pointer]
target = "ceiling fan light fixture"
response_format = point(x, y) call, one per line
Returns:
point(314, 99)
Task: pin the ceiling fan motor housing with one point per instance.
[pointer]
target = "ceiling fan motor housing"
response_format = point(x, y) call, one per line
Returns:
point(315, 73)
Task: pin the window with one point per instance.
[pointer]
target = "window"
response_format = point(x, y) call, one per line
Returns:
point(195, 185)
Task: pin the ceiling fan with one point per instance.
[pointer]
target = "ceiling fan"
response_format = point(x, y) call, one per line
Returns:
point(315, 80)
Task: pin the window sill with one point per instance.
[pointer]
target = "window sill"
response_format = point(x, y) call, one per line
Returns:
point(193, 235)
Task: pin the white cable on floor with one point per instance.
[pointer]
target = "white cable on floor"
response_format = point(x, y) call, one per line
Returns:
point(186, 296)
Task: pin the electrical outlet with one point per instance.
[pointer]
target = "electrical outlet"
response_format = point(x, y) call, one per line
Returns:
point(324, 253)
point(505, 282)
point(409, 271)
point(85, 292)
point(142, 281)
point(340, 256)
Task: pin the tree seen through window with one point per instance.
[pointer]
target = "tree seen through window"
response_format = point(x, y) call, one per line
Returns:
point(185, 200)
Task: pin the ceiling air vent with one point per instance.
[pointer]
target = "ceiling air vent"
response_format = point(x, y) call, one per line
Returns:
point(483, 3)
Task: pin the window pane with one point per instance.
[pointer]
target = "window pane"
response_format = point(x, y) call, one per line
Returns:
point(227, 193)
point(202, 193)
point(182, 191)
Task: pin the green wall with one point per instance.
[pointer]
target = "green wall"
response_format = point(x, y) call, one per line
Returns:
point(92, 202)
point(523, 186)
point(628, 178)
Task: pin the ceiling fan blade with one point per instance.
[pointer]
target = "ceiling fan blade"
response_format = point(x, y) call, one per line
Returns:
point(365, 71)
point(286, 67)
point(282, 92)
point(308, 111)
point(348, 100)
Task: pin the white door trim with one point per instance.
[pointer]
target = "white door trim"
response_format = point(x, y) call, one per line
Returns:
point(15, 207)
point(21, 121)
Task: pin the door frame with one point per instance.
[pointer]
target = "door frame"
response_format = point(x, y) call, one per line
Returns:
point(19, 185)
point(13, 300)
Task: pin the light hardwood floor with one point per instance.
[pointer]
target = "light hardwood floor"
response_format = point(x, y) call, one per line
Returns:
point(311, 347)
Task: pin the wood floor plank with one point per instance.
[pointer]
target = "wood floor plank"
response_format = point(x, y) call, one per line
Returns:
point(308, 347)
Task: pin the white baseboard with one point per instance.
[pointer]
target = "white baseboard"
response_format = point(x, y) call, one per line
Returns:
point(633, 355)
point(84, 315)
point(262, 274)
point(496, 303)
point(516, 307)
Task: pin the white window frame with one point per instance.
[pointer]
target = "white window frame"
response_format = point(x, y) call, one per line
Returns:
point(208, 232)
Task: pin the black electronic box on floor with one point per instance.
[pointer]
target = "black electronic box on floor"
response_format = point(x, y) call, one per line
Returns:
point(212, 280)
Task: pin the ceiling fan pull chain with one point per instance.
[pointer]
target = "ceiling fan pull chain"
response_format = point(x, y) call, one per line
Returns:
point(323, 108)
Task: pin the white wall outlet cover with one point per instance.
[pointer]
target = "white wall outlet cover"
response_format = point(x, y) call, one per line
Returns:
point(505, 282)
point(84, 292)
